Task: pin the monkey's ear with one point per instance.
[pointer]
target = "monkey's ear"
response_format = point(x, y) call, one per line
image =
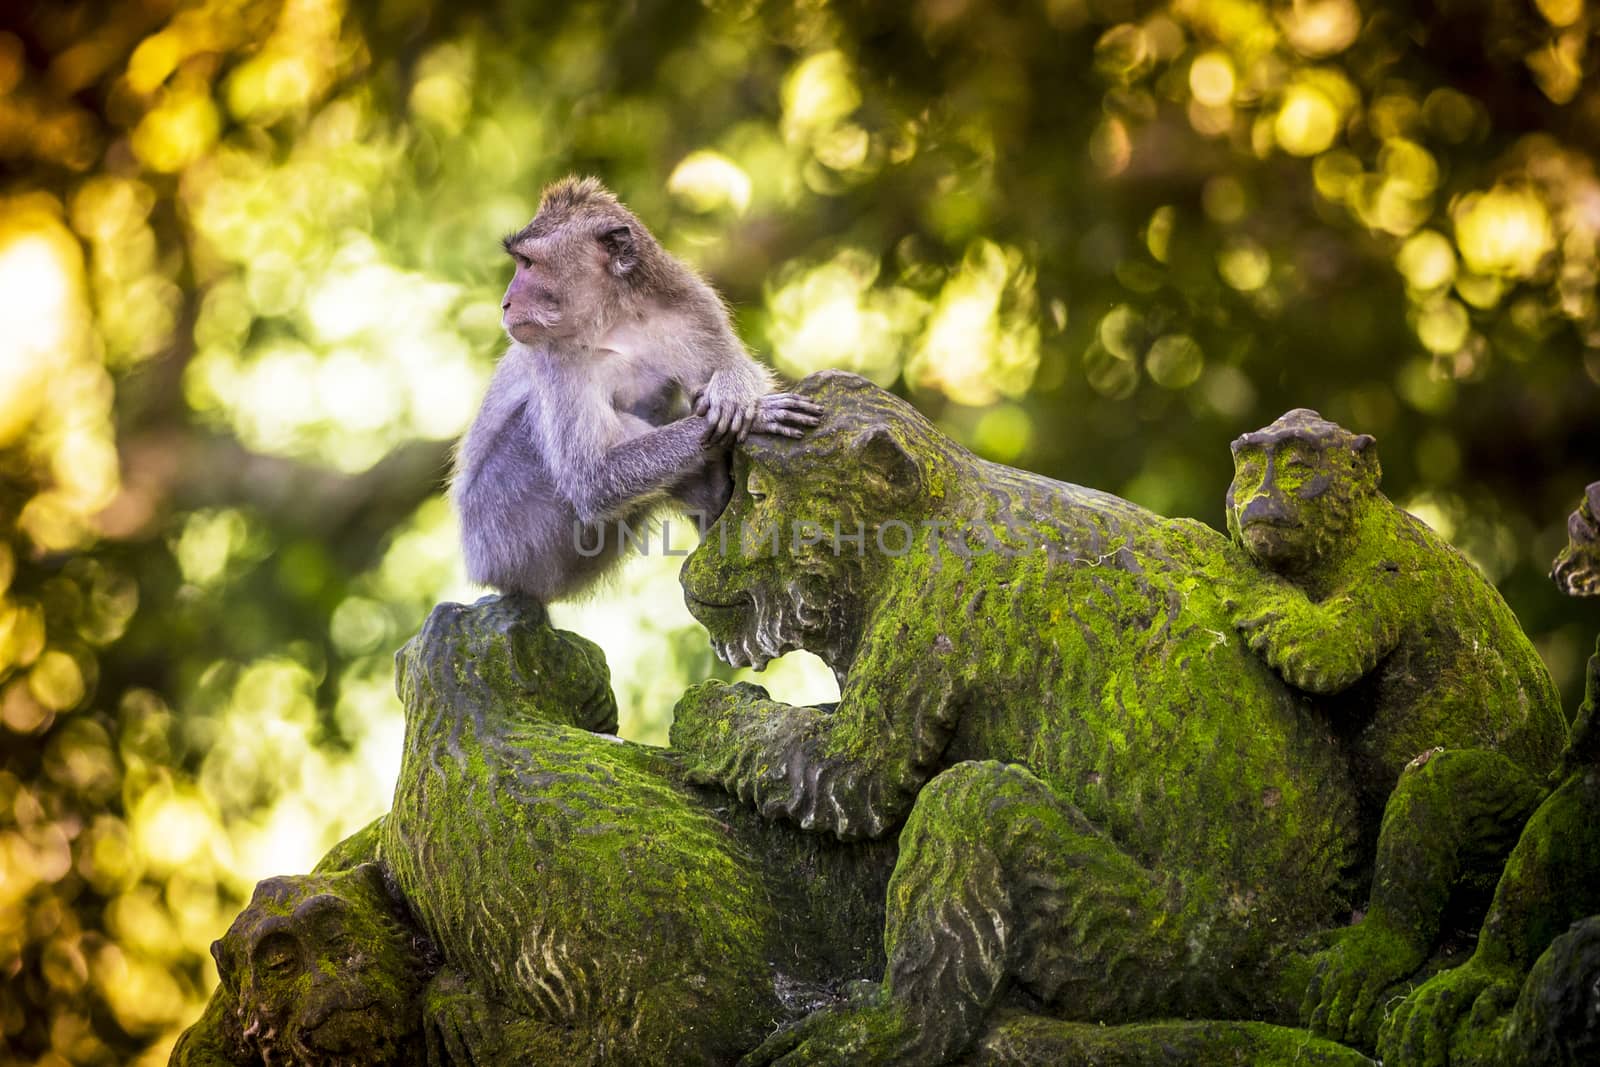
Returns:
point(621, 248)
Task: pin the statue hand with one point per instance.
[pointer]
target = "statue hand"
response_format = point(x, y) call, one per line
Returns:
point(452, 1021)
point(1341, 1001)
point(1296, 646)
point(1422, 1027)
point(702, 718)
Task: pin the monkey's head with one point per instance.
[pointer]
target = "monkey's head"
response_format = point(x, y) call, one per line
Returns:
point(1577, 569)
point(324, 969)
point(577, 264)
point(769, 577)
point(1298, 486)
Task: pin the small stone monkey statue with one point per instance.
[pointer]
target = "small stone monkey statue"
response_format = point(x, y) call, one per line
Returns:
point(1405, 641)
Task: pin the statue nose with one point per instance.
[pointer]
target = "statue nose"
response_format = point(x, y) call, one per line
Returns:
point(1264, 509)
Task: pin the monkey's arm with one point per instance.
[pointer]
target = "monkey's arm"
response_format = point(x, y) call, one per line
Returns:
point(853, 770)
point(656, 462)
point(639, 468)
point(465, 1026)
point(1320, 646)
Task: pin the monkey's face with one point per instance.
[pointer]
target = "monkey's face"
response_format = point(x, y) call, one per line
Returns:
point(553, 290)
point(1577, 569)
point(1287, 498)
point(570, 274)
point(323, 971)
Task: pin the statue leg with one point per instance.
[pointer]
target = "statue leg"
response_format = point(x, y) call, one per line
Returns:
point(1000, 883)
point(464, 1026)
point(1020, 1040)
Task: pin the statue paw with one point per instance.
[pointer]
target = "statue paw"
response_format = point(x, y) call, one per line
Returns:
point(1343, 999)
point(867, 1027)
point(702, 714)
point(1422, 1028)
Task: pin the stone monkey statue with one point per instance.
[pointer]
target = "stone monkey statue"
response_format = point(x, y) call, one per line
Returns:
point(587, 419)
point(1530, 991)
point(1403, 639)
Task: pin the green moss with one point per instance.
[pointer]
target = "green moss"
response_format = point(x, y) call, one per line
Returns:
point(1405, 641)
point(579, 882)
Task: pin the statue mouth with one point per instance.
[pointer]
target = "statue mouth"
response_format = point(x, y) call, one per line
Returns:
point(696, 602)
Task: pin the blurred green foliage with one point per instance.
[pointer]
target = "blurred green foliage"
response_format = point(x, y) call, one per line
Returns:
point(248, 278)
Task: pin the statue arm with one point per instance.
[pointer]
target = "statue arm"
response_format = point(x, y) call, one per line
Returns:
point(464, 1026)
point(853, 770)
point(1321, 646)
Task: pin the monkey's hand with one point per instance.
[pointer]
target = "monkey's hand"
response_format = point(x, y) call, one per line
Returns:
point(1421, 1029)
point(785, 415)
point(731, 415)
point(729, 409)
point(702, 714)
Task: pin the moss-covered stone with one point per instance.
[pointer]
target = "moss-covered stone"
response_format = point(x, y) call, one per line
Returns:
point(975, 612)
point(1528, 992)
point(1020, 1040)
point(318, 969)
point(590, 905)
point(576, 884)
point(1406, 642)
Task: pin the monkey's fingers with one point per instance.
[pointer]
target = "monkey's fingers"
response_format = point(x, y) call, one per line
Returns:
point(792, 402)
point(702, 404)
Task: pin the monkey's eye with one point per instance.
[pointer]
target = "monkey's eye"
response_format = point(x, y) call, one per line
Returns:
point(522, 262)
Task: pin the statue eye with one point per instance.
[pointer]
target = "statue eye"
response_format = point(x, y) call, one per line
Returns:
point(279, 962)
point(756, 487)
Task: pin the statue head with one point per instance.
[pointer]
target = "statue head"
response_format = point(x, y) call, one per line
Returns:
point(501, 657)
point(784, 568)
point(325, 969)
point(1577, 568)
point(1298, 485)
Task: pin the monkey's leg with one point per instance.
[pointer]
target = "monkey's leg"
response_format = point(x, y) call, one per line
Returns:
point(1000, 882)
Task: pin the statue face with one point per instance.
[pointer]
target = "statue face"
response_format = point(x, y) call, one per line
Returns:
point(1577, 568)
point(323, 970)
point(1296, 486)
point(1277, 497)
point(755, 582)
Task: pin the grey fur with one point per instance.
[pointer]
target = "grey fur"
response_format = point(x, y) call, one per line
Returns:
point(588, 421)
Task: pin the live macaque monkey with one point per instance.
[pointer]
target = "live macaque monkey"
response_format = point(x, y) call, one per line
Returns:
point(624, 386)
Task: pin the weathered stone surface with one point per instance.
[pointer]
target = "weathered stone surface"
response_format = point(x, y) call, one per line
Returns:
point(1405, 640)
point(318, 969)
point(560, 872)
point(1530, 991)
point(1075, 797)
point(1185, 817)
